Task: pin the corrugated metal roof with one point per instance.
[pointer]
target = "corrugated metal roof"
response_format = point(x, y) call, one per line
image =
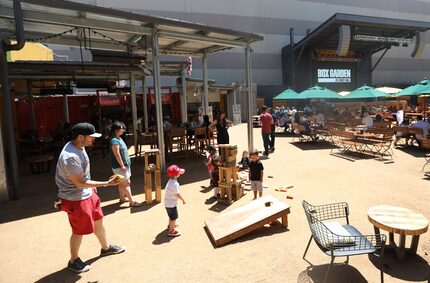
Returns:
point(76, 24)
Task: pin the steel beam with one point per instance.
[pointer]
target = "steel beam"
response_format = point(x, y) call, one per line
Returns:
point(157, 92)
point(250, 100)
point(145, 105)
point(205, 101)
point(184, 110)
point(133, 108)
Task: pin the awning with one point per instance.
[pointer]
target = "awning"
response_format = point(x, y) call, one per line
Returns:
point(365, 92)
point(319, 92)
point(288, 94)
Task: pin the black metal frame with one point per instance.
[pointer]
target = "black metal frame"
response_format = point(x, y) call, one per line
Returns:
point(340, 245)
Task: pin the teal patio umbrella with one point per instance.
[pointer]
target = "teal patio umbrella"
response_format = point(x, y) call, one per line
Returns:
point(319, 92)
point(365, 92)
point(288, 94)
point(423, 87)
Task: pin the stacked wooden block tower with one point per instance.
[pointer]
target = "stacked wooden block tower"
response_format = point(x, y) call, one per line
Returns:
point(230, 185)
point(152, 170)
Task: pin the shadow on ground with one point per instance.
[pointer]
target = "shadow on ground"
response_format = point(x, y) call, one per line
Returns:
point(339, 273)
point(319, 145)
point(412, 150)
point(162, 238)
point(414, 268)
point(66, 275)
point(265, 231)
point(37, 192)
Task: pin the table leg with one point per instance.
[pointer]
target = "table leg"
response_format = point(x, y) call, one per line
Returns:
point(285, 220)
point(401, 249)
point(391, 238)
point(414, 244)
point(377, 233)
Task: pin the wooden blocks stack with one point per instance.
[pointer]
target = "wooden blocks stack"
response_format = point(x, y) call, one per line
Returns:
point(229, 182)
point(152, 169)
point(228, 154)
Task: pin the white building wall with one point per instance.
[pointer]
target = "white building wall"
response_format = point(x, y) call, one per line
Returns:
point(273, 20)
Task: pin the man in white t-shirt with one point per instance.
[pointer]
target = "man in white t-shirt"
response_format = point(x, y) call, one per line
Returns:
point(367, 120)
point(424, 126)
point(399, 116)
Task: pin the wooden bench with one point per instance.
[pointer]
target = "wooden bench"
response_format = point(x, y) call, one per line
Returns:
point(382, 145)
point(40, 163)
point(301, 132)
point(345, 141)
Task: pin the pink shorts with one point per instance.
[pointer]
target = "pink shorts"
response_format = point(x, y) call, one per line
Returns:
point(83, 213)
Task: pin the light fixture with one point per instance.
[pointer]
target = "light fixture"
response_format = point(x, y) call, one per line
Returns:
point(374, 38)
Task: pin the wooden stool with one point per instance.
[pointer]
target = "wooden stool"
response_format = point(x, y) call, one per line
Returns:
point(40, 163)
point(150, 170)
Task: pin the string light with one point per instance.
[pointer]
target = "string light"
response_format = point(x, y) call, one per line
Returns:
point(53, 35)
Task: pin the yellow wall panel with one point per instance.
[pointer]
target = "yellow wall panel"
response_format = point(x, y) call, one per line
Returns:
point(32, 52)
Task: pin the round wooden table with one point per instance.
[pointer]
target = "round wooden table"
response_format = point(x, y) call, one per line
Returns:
point(398, 220)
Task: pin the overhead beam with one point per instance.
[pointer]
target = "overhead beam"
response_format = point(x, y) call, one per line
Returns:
point(202, 39)
point(180, 42)
point(39, 17)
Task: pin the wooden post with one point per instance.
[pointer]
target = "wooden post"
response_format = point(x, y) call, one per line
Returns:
point(149, 170)
point(148, 187)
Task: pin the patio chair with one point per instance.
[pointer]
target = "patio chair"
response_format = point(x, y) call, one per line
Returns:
point(339, 240)
point(200, 140)
point(426, 144)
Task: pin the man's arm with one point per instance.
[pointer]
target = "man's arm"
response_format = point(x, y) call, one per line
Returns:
point(78, 180)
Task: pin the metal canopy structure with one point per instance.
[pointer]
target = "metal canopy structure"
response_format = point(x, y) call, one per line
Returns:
point(347, 42)
point(98, 28)
point(75, 24)
point(366, 30)
point(92, 27)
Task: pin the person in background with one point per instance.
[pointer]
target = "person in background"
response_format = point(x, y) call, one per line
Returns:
point(206, 123)
point(244, 162)
point(266, 121)
point(78, 195)
point(400, 116)
point(120, 161)
point(367, 120)
point(272, 130)
point(424, 126)
point(320, 119)
point(221, 124)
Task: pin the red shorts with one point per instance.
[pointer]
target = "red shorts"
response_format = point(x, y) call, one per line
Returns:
point(83, 213)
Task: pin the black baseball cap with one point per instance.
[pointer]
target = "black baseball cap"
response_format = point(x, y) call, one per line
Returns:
point(85, 129)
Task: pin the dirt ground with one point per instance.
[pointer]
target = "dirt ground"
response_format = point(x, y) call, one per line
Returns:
point(34, 239)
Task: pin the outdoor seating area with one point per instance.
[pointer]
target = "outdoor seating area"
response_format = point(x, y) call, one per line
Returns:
point(137, 147)
point(282, 246)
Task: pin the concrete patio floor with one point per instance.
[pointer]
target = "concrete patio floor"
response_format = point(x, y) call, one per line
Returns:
point(34, 239)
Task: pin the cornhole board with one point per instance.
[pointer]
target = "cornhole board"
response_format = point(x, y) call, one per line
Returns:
point(240, 221)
